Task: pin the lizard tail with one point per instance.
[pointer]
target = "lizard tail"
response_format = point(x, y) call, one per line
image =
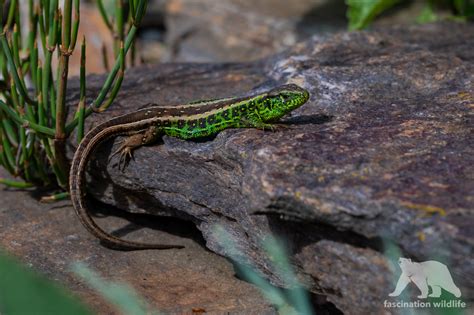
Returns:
point(77, 191)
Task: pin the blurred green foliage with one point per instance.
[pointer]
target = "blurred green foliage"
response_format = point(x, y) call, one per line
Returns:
point(119, 294)
point(24, 292)
point(361, 13)
point(294, 300)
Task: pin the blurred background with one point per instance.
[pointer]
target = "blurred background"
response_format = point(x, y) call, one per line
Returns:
point(243, 30)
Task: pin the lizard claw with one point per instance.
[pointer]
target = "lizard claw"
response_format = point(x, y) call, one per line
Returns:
point(121, 147)
point(126, 154)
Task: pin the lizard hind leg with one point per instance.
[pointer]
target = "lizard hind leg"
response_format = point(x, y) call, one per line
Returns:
point(126, 148)
point(133, 142)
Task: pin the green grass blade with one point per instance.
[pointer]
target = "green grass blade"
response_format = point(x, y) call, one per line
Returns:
point(19, 283)
point(297, 295)
point(272, 294)
point(120, 295)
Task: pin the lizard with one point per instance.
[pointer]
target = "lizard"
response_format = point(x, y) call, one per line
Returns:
point(189, 121)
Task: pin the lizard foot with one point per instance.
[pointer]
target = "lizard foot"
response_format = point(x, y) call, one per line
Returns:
point(126, 154)
point(126, 149)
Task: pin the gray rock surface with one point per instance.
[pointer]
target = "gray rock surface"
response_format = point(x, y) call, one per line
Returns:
point(381, 155)
point(48, 238)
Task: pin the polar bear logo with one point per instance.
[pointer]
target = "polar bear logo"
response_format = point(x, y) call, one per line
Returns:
point(423, 274)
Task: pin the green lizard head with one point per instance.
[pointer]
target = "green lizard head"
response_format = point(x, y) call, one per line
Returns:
point(282, 100)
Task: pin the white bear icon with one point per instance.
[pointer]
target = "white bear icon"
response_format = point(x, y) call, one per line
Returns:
point(423, 274)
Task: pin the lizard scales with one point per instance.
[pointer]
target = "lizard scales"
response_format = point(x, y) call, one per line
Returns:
point(190, 121)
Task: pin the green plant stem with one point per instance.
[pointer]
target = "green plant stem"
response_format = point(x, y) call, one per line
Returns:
point(15, 44)
point(75, 28)
point(61, 97)
point(33, 126)
point(4, 159)
point(82, 98)
point(8, 150)
point(47, 71)
point(103, 13)
point(13, 70)
point(33, 56)
point(108, 82)
point(2, 4)
point(24, 154)
point(10, 132)
point(105, 58)
point(41, 112)
point(118, 82)
point(55, 197)
point(44, 12)
point(26, 123)
point(63, 68)
point(63, 72)
point(53, 7)
point(15, 184)
point(42, 30)
point(118, 36)
point(11, 15)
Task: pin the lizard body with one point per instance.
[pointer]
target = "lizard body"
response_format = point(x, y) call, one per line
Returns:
point(190, 121)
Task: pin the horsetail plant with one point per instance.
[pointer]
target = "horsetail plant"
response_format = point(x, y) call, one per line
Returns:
point(34, 124)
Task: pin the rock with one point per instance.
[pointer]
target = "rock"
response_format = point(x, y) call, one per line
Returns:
point(380, 157)
point(48, 238)
point(229, 30)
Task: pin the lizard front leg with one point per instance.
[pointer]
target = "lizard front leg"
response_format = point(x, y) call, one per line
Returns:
point(255, 121)
point(134, 141)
